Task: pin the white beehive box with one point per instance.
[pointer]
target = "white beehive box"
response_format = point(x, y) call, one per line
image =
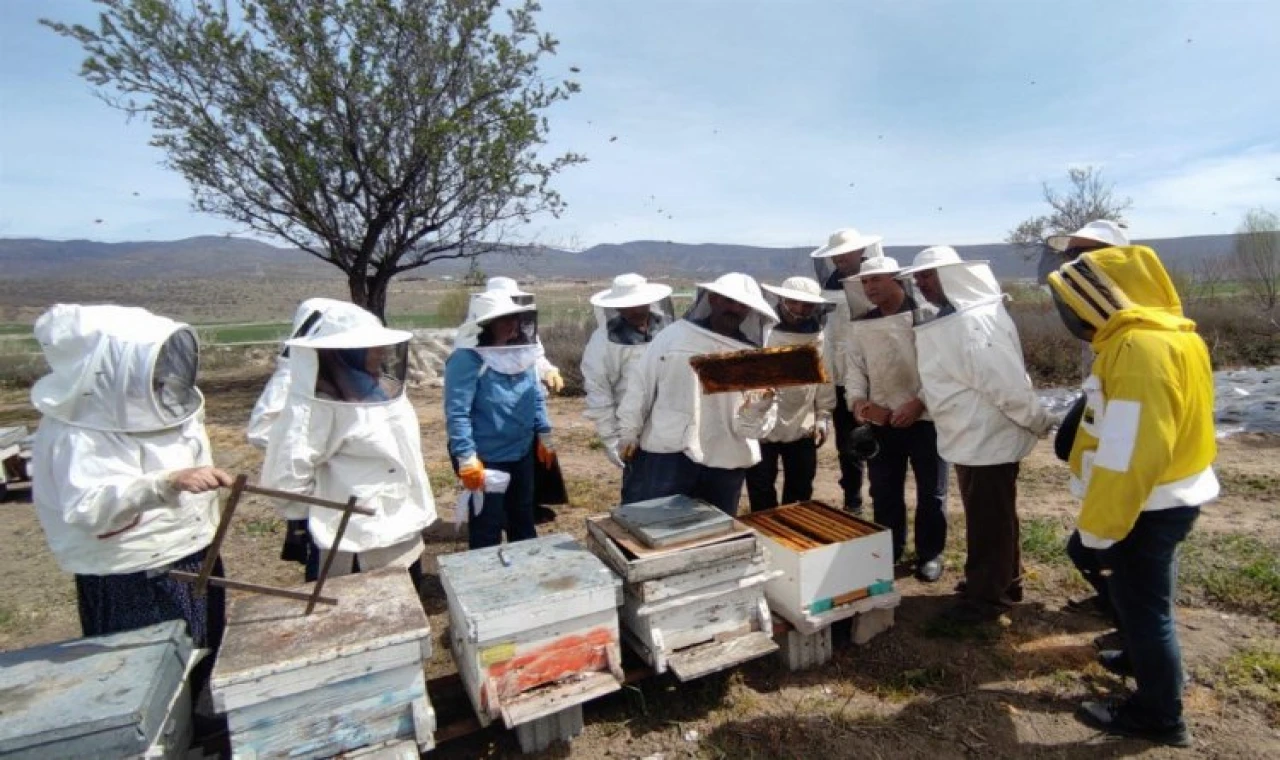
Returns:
point(346, 676)
point(829, 564)
point(534, 627)
point(120, 696)
point(694, 607)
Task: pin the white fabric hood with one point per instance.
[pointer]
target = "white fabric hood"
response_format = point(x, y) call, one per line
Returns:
point(112, 370)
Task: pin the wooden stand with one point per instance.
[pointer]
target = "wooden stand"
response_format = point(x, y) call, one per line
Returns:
point(695, 607)
point(534, 632)
point(346, 677)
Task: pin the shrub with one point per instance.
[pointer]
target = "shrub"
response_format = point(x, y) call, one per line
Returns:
point(564, 341)
point(452, 308)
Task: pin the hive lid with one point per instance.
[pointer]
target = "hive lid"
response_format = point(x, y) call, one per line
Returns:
point(94, 686)
point(271, 634)
point(527, 584)
point(671, 520)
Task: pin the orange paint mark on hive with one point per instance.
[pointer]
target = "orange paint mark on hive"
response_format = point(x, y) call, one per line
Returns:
point(564, 657)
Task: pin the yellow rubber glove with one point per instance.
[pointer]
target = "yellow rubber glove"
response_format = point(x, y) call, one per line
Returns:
point(553, 381)
point(471, 471)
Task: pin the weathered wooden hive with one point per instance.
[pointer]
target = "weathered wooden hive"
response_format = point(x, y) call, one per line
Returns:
point(344, 677)
point(694, 584)
point(534, 630)
point(123, 695)
point(829, 564)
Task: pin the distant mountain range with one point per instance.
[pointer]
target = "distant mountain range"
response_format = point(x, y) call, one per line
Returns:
point(227, 258)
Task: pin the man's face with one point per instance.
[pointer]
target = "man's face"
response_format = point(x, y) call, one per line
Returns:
point(880, 289)
point(505, 329)
point(794, 311)
point(930, 286)
point(727, 310)
point(848, 264)
point(636, 316)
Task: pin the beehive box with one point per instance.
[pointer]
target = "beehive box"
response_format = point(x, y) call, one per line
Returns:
point(122, 695)
point(534, 627)
point(830, 564)
point(346, 676)
point(694, 607)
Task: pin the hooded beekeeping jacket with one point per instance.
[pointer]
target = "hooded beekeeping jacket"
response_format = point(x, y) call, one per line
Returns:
point(606, 366)
point(973, 379)
point(664, 408)
point(800, 408)
point(121, 413)
point(880, 361)
point(276, 392)
point(1146, 438)
point(335, 449)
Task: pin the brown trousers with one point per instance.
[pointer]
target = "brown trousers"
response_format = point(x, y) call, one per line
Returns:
point(993, 567)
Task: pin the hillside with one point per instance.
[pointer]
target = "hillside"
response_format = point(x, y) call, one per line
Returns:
point(232, 259)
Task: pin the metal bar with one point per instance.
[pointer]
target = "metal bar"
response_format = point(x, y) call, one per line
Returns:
point(224, 524)
point(304, 499)
point(301, 596)
point(328, 560)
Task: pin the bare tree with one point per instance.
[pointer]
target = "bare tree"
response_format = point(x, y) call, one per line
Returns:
point(1257, 255)
point(376, 135)
point(1088, 199)
point(1209, 276)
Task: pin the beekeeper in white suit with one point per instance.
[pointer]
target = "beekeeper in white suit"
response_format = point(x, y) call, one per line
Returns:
point(974, 383)
point(122, 473)
point(548, 373)
point(840, 258)
point(347, 430)
point(678, 439)
point(629, 316)
point(298, 546)
point(804, 412)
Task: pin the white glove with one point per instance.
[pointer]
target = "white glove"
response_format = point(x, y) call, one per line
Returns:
point(615, 457)
point(820, 431)
point(757, 403)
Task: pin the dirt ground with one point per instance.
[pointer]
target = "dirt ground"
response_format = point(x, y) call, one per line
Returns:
point(918, 691)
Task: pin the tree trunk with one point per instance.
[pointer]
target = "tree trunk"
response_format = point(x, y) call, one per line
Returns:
point(369, 292)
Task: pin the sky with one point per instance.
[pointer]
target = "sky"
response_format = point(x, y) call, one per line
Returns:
point(774, 123)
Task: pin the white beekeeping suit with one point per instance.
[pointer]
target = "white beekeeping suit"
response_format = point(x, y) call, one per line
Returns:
point(848, 308)
point(346, 430)
point(664, 410)
point(803, 411)
point(273, 396)
point(880, 360)
point(121, 416)
point(629, 316)
point(548, 373)
point(973, 378)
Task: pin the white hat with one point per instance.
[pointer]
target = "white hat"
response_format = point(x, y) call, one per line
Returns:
point(492, 304)
point(504, 285)
point(630, 290)
point(743, 289)
point(1100, 230)
point(936, 256)
point(350, 328)
point(845, 241)
point(798, 289)
point(877, 265)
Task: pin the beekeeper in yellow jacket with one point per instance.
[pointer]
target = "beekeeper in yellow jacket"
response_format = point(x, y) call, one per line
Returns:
point(1142, 462)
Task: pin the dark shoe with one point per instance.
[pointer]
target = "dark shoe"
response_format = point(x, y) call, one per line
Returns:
point(1117, 720)
point(543, 515)
point(1109, 640)
point(1013, 594)
point(1090, 606)
point(930, 571)
point(855, 509)
point(1116, 661)
point(969, 613)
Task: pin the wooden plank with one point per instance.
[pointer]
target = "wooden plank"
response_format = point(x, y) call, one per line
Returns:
point(556, 697)
point(736, 568)
point(257, 588)
point(224, 524)
point(314, 501)
point(699, 661)
point(537, 735)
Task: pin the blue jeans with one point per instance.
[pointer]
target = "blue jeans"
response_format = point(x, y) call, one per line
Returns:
point(850, 466)
point(652, 476)
point(916, 446)
point(511, 511)
point(1143, 583)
